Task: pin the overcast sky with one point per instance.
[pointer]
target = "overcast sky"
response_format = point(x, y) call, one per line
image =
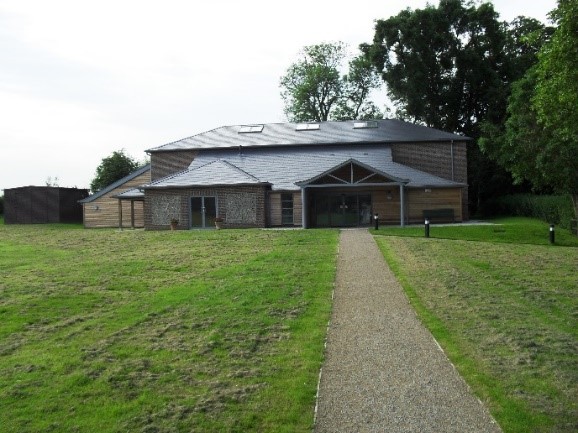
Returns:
point(80, 79)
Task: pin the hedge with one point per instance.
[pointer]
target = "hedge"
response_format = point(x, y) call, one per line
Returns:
point(554, 209)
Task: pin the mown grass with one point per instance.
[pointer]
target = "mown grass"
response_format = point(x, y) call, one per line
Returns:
point(205, 331)
point(506, 315)
point(517, 230)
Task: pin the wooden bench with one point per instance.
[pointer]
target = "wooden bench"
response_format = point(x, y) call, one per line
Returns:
point(439, 215)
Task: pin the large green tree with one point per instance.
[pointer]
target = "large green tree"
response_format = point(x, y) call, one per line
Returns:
point(314, 90)
point(451, 67)
point(442, 65)
point(113, 168)
point(539, 142)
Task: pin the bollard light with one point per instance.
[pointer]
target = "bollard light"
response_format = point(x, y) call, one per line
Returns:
point(427, 228)
point(376, 220)
point(552, 234)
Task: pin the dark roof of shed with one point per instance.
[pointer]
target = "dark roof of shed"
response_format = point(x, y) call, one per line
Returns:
point(116, 184)
point(286, 134)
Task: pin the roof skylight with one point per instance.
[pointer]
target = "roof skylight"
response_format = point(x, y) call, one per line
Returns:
point(365, 124)
point(251, 128)
point(307, 126)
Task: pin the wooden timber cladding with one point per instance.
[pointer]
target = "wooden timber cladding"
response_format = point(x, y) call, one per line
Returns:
point(447, 160)
point(275, 208)
point(104, 212)
point(166, 163)
point(386, 202)
point(420, 200)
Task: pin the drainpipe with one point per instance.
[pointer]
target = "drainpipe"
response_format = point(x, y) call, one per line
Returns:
point(401, 205)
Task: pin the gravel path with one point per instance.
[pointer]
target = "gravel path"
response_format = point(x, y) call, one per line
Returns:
point(383, 371)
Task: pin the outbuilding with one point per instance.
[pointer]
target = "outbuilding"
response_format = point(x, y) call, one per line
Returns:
point(43, 204)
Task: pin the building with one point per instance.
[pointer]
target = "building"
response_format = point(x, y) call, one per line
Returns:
point(105, 209)
point(42, 205)
point(327, 174)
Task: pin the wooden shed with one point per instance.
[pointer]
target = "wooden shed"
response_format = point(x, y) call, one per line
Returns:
point(102, 208)
point(43, 204)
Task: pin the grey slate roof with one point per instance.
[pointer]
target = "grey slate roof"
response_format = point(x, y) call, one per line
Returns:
point(135, 193)
point(284, 168)
point(209, 173)
point(116, 184)
point(285, 134)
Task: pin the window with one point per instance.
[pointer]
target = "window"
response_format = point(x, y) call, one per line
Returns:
point(307, 126)
point(287, 209)
point(365, 124)
point(250, 128)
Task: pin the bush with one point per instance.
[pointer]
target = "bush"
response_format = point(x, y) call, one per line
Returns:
point(1, 205)
point(554, 209)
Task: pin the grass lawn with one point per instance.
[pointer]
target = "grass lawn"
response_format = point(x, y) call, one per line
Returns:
point(133, 331)
point(517, 230)
point(504, 305)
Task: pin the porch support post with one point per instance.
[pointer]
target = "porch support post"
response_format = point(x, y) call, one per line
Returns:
point(119, 214)
point(304, 208)
point(401, 205)
point(132, 214)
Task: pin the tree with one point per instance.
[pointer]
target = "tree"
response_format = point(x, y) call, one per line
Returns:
point(314, 90)
point(451, 67)
point(52, 181)
point(357, 86)
point(556, 97)
point(516, 145)
point(525, 38)
point(442, 65)
point(113, 168)
point(540, 140)
point(556, 102)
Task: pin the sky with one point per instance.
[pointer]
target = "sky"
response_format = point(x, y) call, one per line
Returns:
point(80, 79)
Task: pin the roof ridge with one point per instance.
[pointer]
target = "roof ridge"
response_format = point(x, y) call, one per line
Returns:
point(170, 176)
point(240, 170)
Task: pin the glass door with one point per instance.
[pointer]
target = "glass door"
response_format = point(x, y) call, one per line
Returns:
point(365, 209)
point(210, 211)
point(343, 210)
point(203, 212)
point(336, 211)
